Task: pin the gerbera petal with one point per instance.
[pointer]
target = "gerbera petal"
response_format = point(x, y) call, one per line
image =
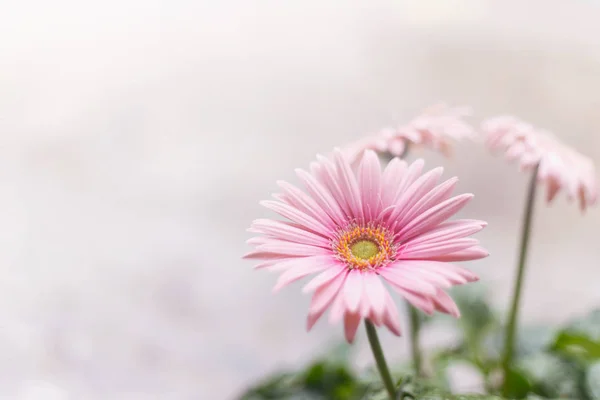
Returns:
point(420, 301)
point(338, 308)
point(285, 231)
point(353, 290)
point(287, 211)
point(472, 253)
point(291, 248)
point(323, 297)
point(348, 184)
point(351, 323)
point(369, 180)
point(435, 196)
point(323, 196)
point(423, 251)
point(375, 293)
point(434, 216)
point(304, 202)
point(390, 318)
point(450, 230)
point(416, 191)
point(334, 270)
point(445, 304)
point(299, 268)
point(391, 179)
point(395, 275)
point(411, 175)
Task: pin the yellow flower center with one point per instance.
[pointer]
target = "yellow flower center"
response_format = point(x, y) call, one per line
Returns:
point(364, 247)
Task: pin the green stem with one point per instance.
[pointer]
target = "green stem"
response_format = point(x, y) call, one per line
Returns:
point(415, 328)
point(386, 377)
point(511, 327)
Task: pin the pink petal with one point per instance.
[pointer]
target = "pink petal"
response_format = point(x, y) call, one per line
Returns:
point(391, 179)
point(375, 293)
point(297, 216)
point(390, 318)
point(300, 268)
point(445, 304)
point(291, 249)
point(351, 323)
point(322, 196)
point(325, 277)
point(416, 191)
point(322, 298)
point(427, 250)
point(369, 180)
point(402, 278)
point(422, 302)
point(348, 184)
point(285, 231)
point(297, 198)
point(449, 230)
point(263, 255)
point(473, 253)
point(434, 216)
point(338, 307)
point(324, 170)
point(411, 175)
point(457, 275)
point(353, 288)
point(434, 197)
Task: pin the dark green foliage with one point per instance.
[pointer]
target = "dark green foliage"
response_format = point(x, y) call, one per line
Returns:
point(549, 363)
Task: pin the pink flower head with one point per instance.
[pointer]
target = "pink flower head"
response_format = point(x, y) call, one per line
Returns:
point(437, 127)
point(357, 229)
point(560, 166)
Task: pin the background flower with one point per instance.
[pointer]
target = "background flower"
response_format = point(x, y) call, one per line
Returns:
point(437, 127)
point(560, 166)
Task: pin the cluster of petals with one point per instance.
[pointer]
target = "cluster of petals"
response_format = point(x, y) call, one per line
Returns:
point(558, 166)
point(436, 128)
point(354, 228)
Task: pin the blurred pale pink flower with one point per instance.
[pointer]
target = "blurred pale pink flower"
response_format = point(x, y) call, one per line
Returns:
point(437, 127)
point(357, 229)
point(560, 167)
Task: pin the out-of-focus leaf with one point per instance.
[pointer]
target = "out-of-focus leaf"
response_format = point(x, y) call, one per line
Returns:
point(529, 340)
point(577, 345)
point(331, 378)
point(517, 385)
point(552, 376)
point(592, 381)
point(580, 340)
point(477, 315)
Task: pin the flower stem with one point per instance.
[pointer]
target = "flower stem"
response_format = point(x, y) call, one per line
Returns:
point(511, 327)
point(386, 377)
point(415, 328)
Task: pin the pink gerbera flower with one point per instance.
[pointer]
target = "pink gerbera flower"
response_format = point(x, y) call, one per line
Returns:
point(357, 230)
point(560, 166)
point(437, 127)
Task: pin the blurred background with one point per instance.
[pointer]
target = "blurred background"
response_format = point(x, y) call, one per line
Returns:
point(137, 137)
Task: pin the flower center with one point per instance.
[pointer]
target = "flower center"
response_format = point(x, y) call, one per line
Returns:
point(364, 246)
point(364, 249)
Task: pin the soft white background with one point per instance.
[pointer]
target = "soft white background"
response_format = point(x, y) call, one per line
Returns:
point(137, 137)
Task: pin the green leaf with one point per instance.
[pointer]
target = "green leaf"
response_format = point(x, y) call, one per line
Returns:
point(552, 376)
point(529, 340)
point(477, 315)
point(517, 384)
point(592, 381)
